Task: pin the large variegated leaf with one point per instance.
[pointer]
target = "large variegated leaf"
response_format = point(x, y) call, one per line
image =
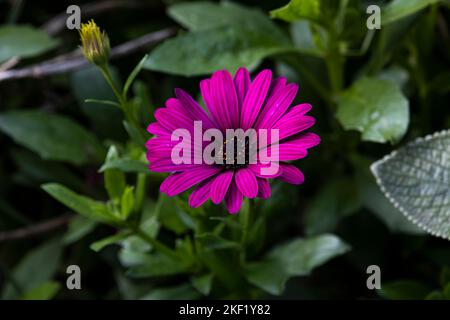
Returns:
point(416, 179)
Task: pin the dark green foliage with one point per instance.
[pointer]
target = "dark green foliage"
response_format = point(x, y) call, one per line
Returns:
point(73, 151)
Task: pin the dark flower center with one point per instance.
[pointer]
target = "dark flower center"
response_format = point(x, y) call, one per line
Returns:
point(241, 155)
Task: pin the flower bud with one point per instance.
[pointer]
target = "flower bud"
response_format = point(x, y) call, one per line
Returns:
point(94, 43)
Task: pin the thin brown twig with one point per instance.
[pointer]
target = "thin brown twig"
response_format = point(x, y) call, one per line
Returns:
point(75, 60)
point(35, 229)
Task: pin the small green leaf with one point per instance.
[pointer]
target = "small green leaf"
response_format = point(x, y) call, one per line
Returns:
point(268, 275)
point(133, 75)
point(212, 241)
point(156, 265)
point(398, 9)
point(295, 258)
point(52, 136)
point(97, 101)
point(182, 292)
point(35, 268)
point(127, 202)
point(298, 9)
point(23, 42)
point(126, 165)
point(376, 108)
point(415, 179)
point(85, 206)
point(106, 102)
point(337, 199)
point(78, 228)
point(114, 179)
point(203, 283)
point(45, 291)
point(100, 244)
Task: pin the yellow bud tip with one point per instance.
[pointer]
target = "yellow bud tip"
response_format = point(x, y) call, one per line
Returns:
point(94, 43)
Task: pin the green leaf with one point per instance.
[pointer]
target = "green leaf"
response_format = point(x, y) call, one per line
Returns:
point(203, 283)
point(156, 265)
point(309, 38)
point(35, 268)
point(182, 292)
point(33, 170)
point(85, 206)
point(45, 291)
point(212, 241)
point(415, 179)
point(100, 244)
point(78, 228)
point(170, 216)
point(198, 16)
point(298, 9)
point(295, 258)
point(126, 165)
point(268, 275)
point(398, 9)
point(133, 247)
point(114, 179)
point(127, 202)
point(93, 94)
point(23, 41)
point(404, 290)
point(133, 75)
point(105, 102)
point(374, 200)
point(337, 199)
point(206, 51)
point(301, 256)
point(229, 36)
point(376, 108)
point(52, 136)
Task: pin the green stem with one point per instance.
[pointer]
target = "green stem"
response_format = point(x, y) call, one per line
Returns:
point(140, 190)
point(107, 74)
point(156, 244)
point(130, 116)
point(335, 67)
point(246, 218)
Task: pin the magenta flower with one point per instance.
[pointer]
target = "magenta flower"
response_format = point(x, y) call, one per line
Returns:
point(232, 103)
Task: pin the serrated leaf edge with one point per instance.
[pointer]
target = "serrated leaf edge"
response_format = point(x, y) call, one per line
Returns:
point(374, 169)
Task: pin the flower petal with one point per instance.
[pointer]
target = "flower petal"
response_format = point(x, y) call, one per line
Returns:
point(263, 188)
point(247, 183)
point(293, 148)
point(192, 108)
point(233, 199)
point(157, 129)
point(166, 165)
point(201, 193)
point(291, 174)
point(294, 121)
point(171, 119)
point(255, 98)
point(208, 98)
point(220, 186)
point(180, 182)
point(242, 84)
point(256, 168)
point(276, 106)
point(225, 98)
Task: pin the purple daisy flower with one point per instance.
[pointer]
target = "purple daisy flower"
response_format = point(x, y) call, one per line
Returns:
point(232, 103)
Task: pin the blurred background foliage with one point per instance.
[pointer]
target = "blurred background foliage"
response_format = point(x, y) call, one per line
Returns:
point(372, 91)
